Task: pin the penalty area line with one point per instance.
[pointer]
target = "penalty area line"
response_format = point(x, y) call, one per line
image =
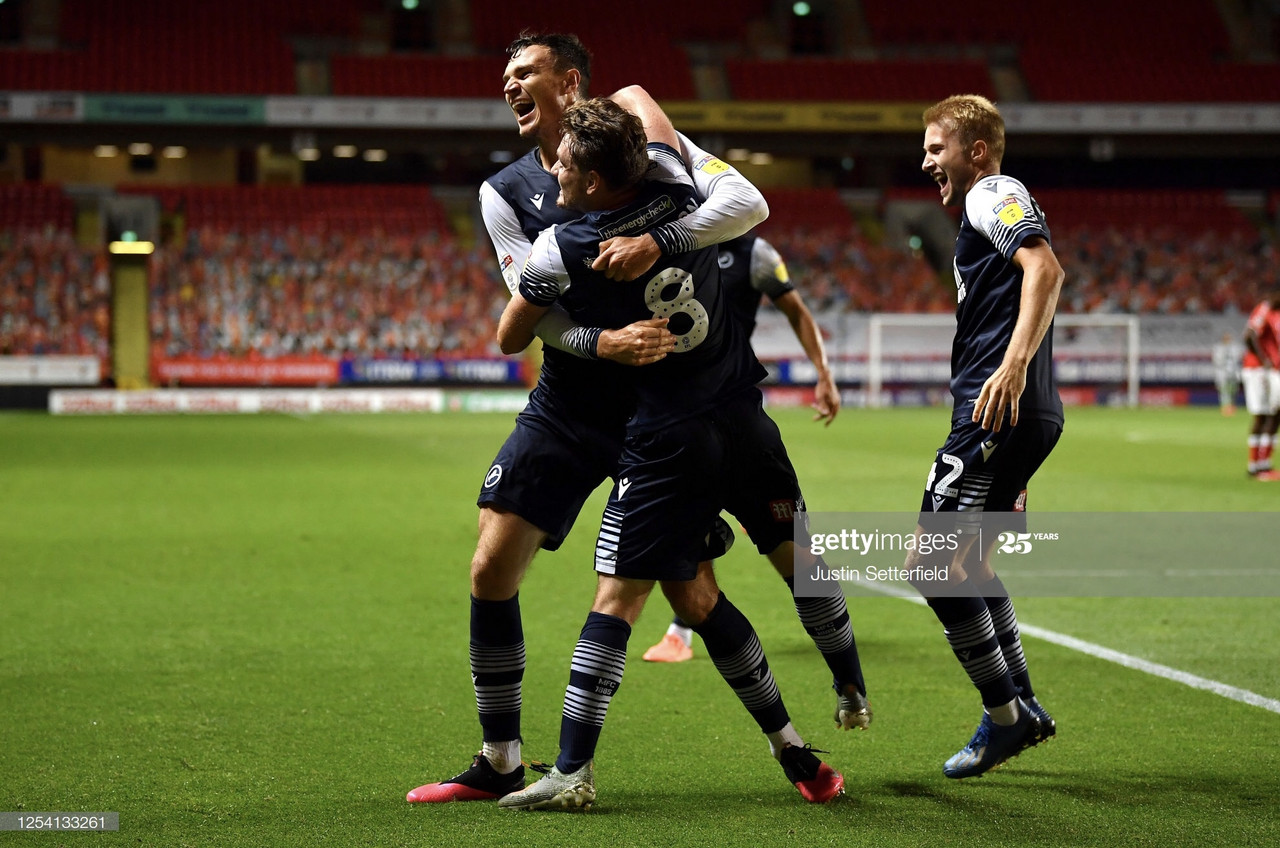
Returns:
point(1155, 669)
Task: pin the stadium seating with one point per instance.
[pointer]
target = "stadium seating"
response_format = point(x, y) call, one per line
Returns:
point(494, 23)
point(391, 209)
point(30, 206)
point(811, 208)
point(150, 46)
point(1182, 52)
point(896, 23)
point(1186, 211)
point(1147, 52)
point(55, 297)
point(843, 80)
point(666, 74)
point(281, 291)
point(416, 76)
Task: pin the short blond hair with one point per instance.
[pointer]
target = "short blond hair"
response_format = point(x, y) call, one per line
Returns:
point(973, 117)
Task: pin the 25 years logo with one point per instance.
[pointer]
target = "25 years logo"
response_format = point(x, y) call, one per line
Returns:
point(1020, 543)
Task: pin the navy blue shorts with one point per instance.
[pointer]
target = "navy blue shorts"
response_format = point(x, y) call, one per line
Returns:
point(548, 467)
point(977, 471)
point(673, 483)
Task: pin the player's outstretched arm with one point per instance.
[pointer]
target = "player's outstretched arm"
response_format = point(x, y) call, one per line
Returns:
point(1041, 281)
point(826, 397)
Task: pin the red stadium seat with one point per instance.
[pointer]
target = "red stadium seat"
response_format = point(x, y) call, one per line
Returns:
point(838, 79)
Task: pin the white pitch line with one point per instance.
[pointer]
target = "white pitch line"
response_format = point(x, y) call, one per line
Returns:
point(1234, 693)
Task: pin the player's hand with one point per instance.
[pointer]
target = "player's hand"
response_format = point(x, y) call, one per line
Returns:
point(1000, 394)
point(640, 343)
point(826, 399)
point(626, 257)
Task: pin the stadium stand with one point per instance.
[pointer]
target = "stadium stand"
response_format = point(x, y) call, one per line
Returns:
point(1182, 211)
point(494, 22)
point(916, 23)
point(839, 79)
point(416, 76)
point(391, 209)
point(35, 206)
point(334, 270)
point(54, 295)
point(285, 292)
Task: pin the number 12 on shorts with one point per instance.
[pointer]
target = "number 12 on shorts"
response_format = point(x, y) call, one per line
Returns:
point(943, 488)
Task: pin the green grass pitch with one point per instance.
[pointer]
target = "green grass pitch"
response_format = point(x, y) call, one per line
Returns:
point(253, 631)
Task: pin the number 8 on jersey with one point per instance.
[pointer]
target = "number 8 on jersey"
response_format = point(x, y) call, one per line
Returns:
point(683, 303)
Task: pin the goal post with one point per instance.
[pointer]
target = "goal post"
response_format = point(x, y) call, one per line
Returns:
point(941, 330)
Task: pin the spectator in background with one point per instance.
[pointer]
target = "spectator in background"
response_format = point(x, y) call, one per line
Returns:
point(1227, 354)
point(55, 297)
point(289, 293)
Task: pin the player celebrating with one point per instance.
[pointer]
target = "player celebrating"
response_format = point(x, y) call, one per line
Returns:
point(1006, 418)
point(567, 440)
point(569, 437)
point(699, 442)
point(751, 267)
point(1260, 374)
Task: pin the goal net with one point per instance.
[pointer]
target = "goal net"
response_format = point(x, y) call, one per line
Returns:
point(908, 358)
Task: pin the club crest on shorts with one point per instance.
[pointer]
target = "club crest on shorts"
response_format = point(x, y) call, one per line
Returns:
point(495, 474)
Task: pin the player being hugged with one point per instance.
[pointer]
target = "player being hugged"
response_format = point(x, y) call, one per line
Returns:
point(699, 440)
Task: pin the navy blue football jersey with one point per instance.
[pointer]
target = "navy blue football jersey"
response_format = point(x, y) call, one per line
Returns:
point(712, 360)
point(999, 215)
point(751, 267)
point(518, 203)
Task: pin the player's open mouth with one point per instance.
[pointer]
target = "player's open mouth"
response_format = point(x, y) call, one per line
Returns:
point(522, 109)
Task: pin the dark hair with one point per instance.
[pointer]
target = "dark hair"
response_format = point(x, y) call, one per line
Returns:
point(567, 52)
point(605, 138)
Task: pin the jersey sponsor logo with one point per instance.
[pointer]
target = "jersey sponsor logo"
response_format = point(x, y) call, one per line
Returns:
point(1009, 211)
point(783, 511)
point(536, 200)
point(938, 501)
point(659, 208)
point(960, 289)
point(725, 260)
point(711, 165)
point(495, 474)
point(623, 485)
point(988, 447)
